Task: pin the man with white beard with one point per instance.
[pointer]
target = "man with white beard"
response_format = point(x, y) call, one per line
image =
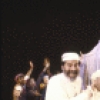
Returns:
point(68, 84)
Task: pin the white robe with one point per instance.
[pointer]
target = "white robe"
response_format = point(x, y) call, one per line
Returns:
point(96, 96)
point(61, 88)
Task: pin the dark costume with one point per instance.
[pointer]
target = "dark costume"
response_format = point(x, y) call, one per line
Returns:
point(30, 93)
point(39, 81)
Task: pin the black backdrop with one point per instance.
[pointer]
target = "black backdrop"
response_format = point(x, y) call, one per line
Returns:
point(34, 29)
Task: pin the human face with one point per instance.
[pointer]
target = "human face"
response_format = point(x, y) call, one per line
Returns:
point(71, 68)
point(46, 79)
point(21, 80)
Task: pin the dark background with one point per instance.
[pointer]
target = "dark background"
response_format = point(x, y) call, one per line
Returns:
point(34, 29)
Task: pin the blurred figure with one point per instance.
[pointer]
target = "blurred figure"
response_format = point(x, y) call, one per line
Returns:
point(43, 78)
point(19, 92)
point(95, 83)
point(43, 86)
point(31, 92)
point(46, 64)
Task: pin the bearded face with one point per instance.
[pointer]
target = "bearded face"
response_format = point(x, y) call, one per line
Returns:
point(71, 68)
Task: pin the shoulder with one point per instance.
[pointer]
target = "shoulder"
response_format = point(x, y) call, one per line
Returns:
point(55, 78)
point(17, 87)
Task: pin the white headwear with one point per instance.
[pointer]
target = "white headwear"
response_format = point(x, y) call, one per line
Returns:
point(70, 56)
point(95, 75)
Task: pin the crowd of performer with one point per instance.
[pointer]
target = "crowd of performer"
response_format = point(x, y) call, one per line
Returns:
point(66, 85)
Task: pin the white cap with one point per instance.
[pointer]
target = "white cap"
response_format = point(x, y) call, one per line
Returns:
point(70, 56)
point(95, 75)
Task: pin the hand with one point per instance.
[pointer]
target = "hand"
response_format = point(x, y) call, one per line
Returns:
point(81, 56)
point(31, 64)
point(37, 93)
point(42, 85)
point(89, 91)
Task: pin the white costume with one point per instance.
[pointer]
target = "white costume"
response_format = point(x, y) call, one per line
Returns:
point(60, 87)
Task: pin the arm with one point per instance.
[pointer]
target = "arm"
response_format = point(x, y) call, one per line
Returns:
point(41, 77)
point(85, 95)
point(29, 71)
point(16, 92)
point(81, 96)
point(34, 93)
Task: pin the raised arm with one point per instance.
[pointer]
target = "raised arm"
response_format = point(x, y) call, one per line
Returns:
point(29, 72)
point(39, 79)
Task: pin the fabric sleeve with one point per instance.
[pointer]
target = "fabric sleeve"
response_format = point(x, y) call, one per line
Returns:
point(81, 96)
point(39, 80)
point(54, 91)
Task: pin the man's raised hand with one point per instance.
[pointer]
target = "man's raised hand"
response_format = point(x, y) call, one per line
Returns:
point(31, 64)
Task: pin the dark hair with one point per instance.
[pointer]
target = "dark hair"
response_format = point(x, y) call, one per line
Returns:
point(18, 76)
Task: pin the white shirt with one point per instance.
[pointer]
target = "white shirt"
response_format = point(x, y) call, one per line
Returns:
point(61, 87)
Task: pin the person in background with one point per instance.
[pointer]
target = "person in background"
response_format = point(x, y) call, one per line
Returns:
point(43, 86)
point(46, 64)
point(19, 92)
point(95, 85)
point(44, 78)
point(31, 92)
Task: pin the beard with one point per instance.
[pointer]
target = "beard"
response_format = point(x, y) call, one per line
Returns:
point(72, 74)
